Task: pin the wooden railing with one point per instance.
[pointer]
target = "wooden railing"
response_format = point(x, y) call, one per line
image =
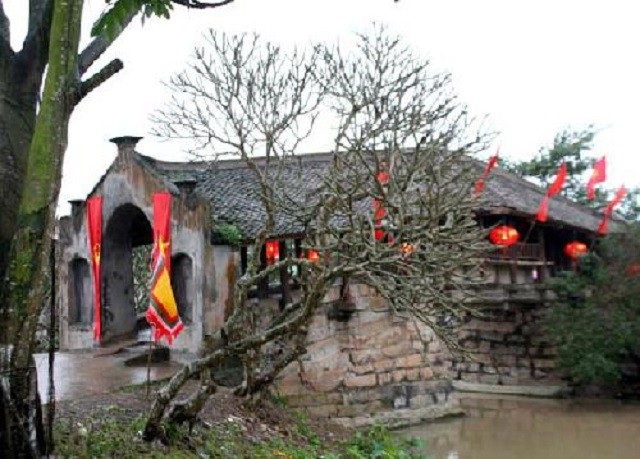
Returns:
point(519, 251)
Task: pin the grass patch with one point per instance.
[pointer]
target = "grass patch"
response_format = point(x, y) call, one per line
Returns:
point(117, 432)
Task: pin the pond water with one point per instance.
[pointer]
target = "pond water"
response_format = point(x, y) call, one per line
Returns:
point(501, 428)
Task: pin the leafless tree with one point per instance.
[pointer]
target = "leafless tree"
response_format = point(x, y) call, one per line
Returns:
point(393, 207)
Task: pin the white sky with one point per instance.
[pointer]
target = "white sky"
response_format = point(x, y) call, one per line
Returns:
point(532, 67)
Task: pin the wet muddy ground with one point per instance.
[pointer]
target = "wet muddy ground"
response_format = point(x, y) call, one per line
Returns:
point(79, 375)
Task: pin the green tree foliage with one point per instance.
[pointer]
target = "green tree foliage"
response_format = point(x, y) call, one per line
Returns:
point(141, 260)
point(574, 148)
point(117, 11)
point(596, 323)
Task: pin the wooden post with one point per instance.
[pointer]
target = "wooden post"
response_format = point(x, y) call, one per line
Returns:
point(543, 274)
point(51, 406)
point(263, 284)
point(285, 288)
point(149, 363)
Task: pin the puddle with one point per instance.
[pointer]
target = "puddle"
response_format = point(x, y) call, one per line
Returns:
point(81, 374)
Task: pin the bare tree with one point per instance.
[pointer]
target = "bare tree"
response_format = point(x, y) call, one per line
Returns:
point(392, 208)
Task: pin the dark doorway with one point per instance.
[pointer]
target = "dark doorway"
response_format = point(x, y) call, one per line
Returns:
point(80, 293)
point(182, 284)
point(126, 229)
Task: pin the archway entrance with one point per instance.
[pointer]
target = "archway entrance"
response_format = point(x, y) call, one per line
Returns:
point(127, 229)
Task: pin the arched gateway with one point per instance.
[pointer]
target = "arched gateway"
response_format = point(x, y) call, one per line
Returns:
point(127, 228)
point(126, 191)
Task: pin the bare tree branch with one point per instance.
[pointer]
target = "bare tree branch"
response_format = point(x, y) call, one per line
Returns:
point(98, 78)
point(99, 45)
point(411, 236)
point(35, 49)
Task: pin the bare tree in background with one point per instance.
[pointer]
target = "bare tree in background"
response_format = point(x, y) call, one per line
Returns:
point(244, 99)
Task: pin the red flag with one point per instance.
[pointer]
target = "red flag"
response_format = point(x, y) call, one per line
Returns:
point(543, 209)
point(598, 175)
point(554, 189)
point(493, 161)
point(557, 184)
point(608, 212)
point(94, 225)
point(162, 228)
point(162, 312)
point(379, 213)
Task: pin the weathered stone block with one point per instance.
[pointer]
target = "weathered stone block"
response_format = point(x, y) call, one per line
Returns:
point(324, 411)
point(414, 374)
point(396, 350)
point(488, 379)
point(361, 381)
point(399, 375)
point(324, 381)
point(363, 369)
point(384, 378)
point(410, 361)
point(384, 364)
point(363, 356)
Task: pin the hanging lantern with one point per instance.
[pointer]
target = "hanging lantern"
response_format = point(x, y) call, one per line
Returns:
point(633, 269)
point(313, 255)
point(575, 250)
point(504, 235)
point(272, 251)
point(406, 249)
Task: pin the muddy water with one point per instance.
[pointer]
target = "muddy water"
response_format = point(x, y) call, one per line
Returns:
point(509, 428)
point(81, 374)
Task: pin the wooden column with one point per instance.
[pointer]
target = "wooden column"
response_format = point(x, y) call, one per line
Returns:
point(285, 288)
point(543, 275)
point(263, 284)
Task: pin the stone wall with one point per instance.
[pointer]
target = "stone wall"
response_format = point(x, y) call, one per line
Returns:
point(367, 365)
point(505, 337)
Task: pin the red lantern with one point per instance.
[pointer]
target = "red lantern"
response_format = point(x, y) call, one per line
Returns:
point(272, 251)
point(633, 269)
point(575, 249)
point(504, 235)
point(406, 249)
point(313, 255)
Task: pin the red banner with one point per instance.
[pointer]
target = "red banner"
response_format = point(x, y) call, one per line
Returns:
point(379, 213)
point(603, 228)
point(554, 189)
point(599, 175)
point(162, 228)
point(162, 313)
point(493, 161)
point(94, 223)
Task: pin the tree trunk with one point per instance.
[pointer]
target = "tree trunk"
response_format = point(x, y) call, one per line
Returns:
point(31, 242)
point(17, 123)
point(20, 83)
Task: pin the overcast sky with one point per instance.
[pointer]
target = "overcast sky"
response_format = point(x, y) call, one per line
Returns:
point(532, 67)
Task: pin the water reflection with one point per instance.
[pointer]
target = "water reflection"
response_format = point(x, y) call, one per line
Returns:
point(499, 428)
point(81, 374)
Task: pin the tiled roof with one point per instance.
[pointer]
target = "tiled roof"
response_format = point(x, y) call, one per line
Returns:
point(233, 193)
point(507, 190)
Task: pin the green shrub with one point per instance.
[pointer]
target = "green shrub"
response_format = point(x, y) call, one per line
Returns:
point(596, 323)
